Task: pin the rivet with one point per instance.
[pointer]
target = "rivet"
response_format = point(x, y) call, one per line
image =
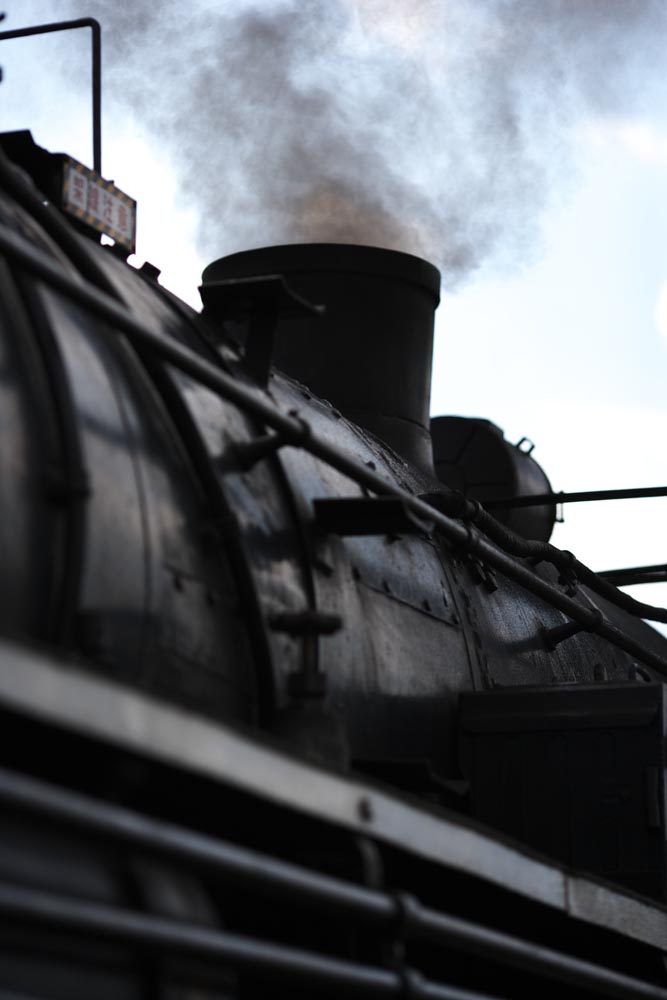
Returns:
point(365, 809)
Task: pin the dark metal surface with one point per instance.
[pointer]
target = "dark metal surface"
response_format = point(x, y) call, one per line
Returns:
point(96, 39)
point(577, 772)
point(262, 407)
point(31, 529)
point(392, 670)
point(472, 455)
point(68, 484)
point(135, 587)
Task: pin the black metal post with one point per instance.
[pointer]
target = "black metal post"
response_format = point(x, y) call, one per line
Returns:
point(82, 22)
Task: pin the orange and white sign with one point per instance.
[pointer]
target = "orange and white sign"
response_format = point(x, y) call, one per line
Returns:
point(99, 203)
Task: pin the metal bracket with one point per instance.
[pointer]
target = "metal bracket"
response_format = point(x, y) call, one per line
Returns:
point(552, 637)
point(367, 516)
point(260, 303)
point(243, 456)
point(309, 622)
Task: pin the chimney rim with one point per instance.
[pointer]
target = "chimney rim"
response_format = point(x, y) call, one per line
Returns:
point(353, 258)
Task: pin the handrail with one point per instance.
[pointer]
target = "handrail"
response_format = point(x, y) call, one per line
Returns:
point(583, 496)
point(81, 22)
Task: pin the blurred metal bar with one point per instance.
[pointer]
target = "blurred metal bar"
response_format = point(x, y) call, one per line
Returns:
point(260, 958)
point(235, 864)
point(542, 499)
point(484, 942)
point(635, 574)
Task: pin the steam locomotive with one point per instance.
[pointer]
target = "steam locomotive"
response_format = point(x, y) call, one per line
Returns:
point(285, 710)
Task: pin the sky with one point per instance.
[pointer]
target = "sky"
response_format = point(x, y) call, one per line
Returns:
point(522, 146)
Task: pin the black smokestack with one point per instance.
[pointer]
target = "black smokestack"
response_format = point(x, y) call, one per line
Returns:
point(370, 354)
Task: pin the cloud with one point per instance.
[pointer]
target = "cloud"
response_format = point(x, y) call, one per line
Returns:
point(646, 140)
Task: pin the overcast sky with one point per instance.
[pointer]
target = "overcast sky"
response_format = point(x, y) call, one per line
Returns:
point(521, 145)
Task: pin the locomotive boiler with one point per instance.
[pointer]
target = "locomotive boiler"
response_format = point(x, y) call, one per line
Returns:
point(285, 708)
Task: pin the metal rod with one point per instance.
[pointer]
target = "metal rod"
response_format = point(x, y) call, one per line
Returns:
point(262, 959)
point(254, 401)
point(282, 879)
point(235, 864)
point(526, 955)
point(177, 937)
point(541, 499)
point(94, 25)
point(635, 574)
